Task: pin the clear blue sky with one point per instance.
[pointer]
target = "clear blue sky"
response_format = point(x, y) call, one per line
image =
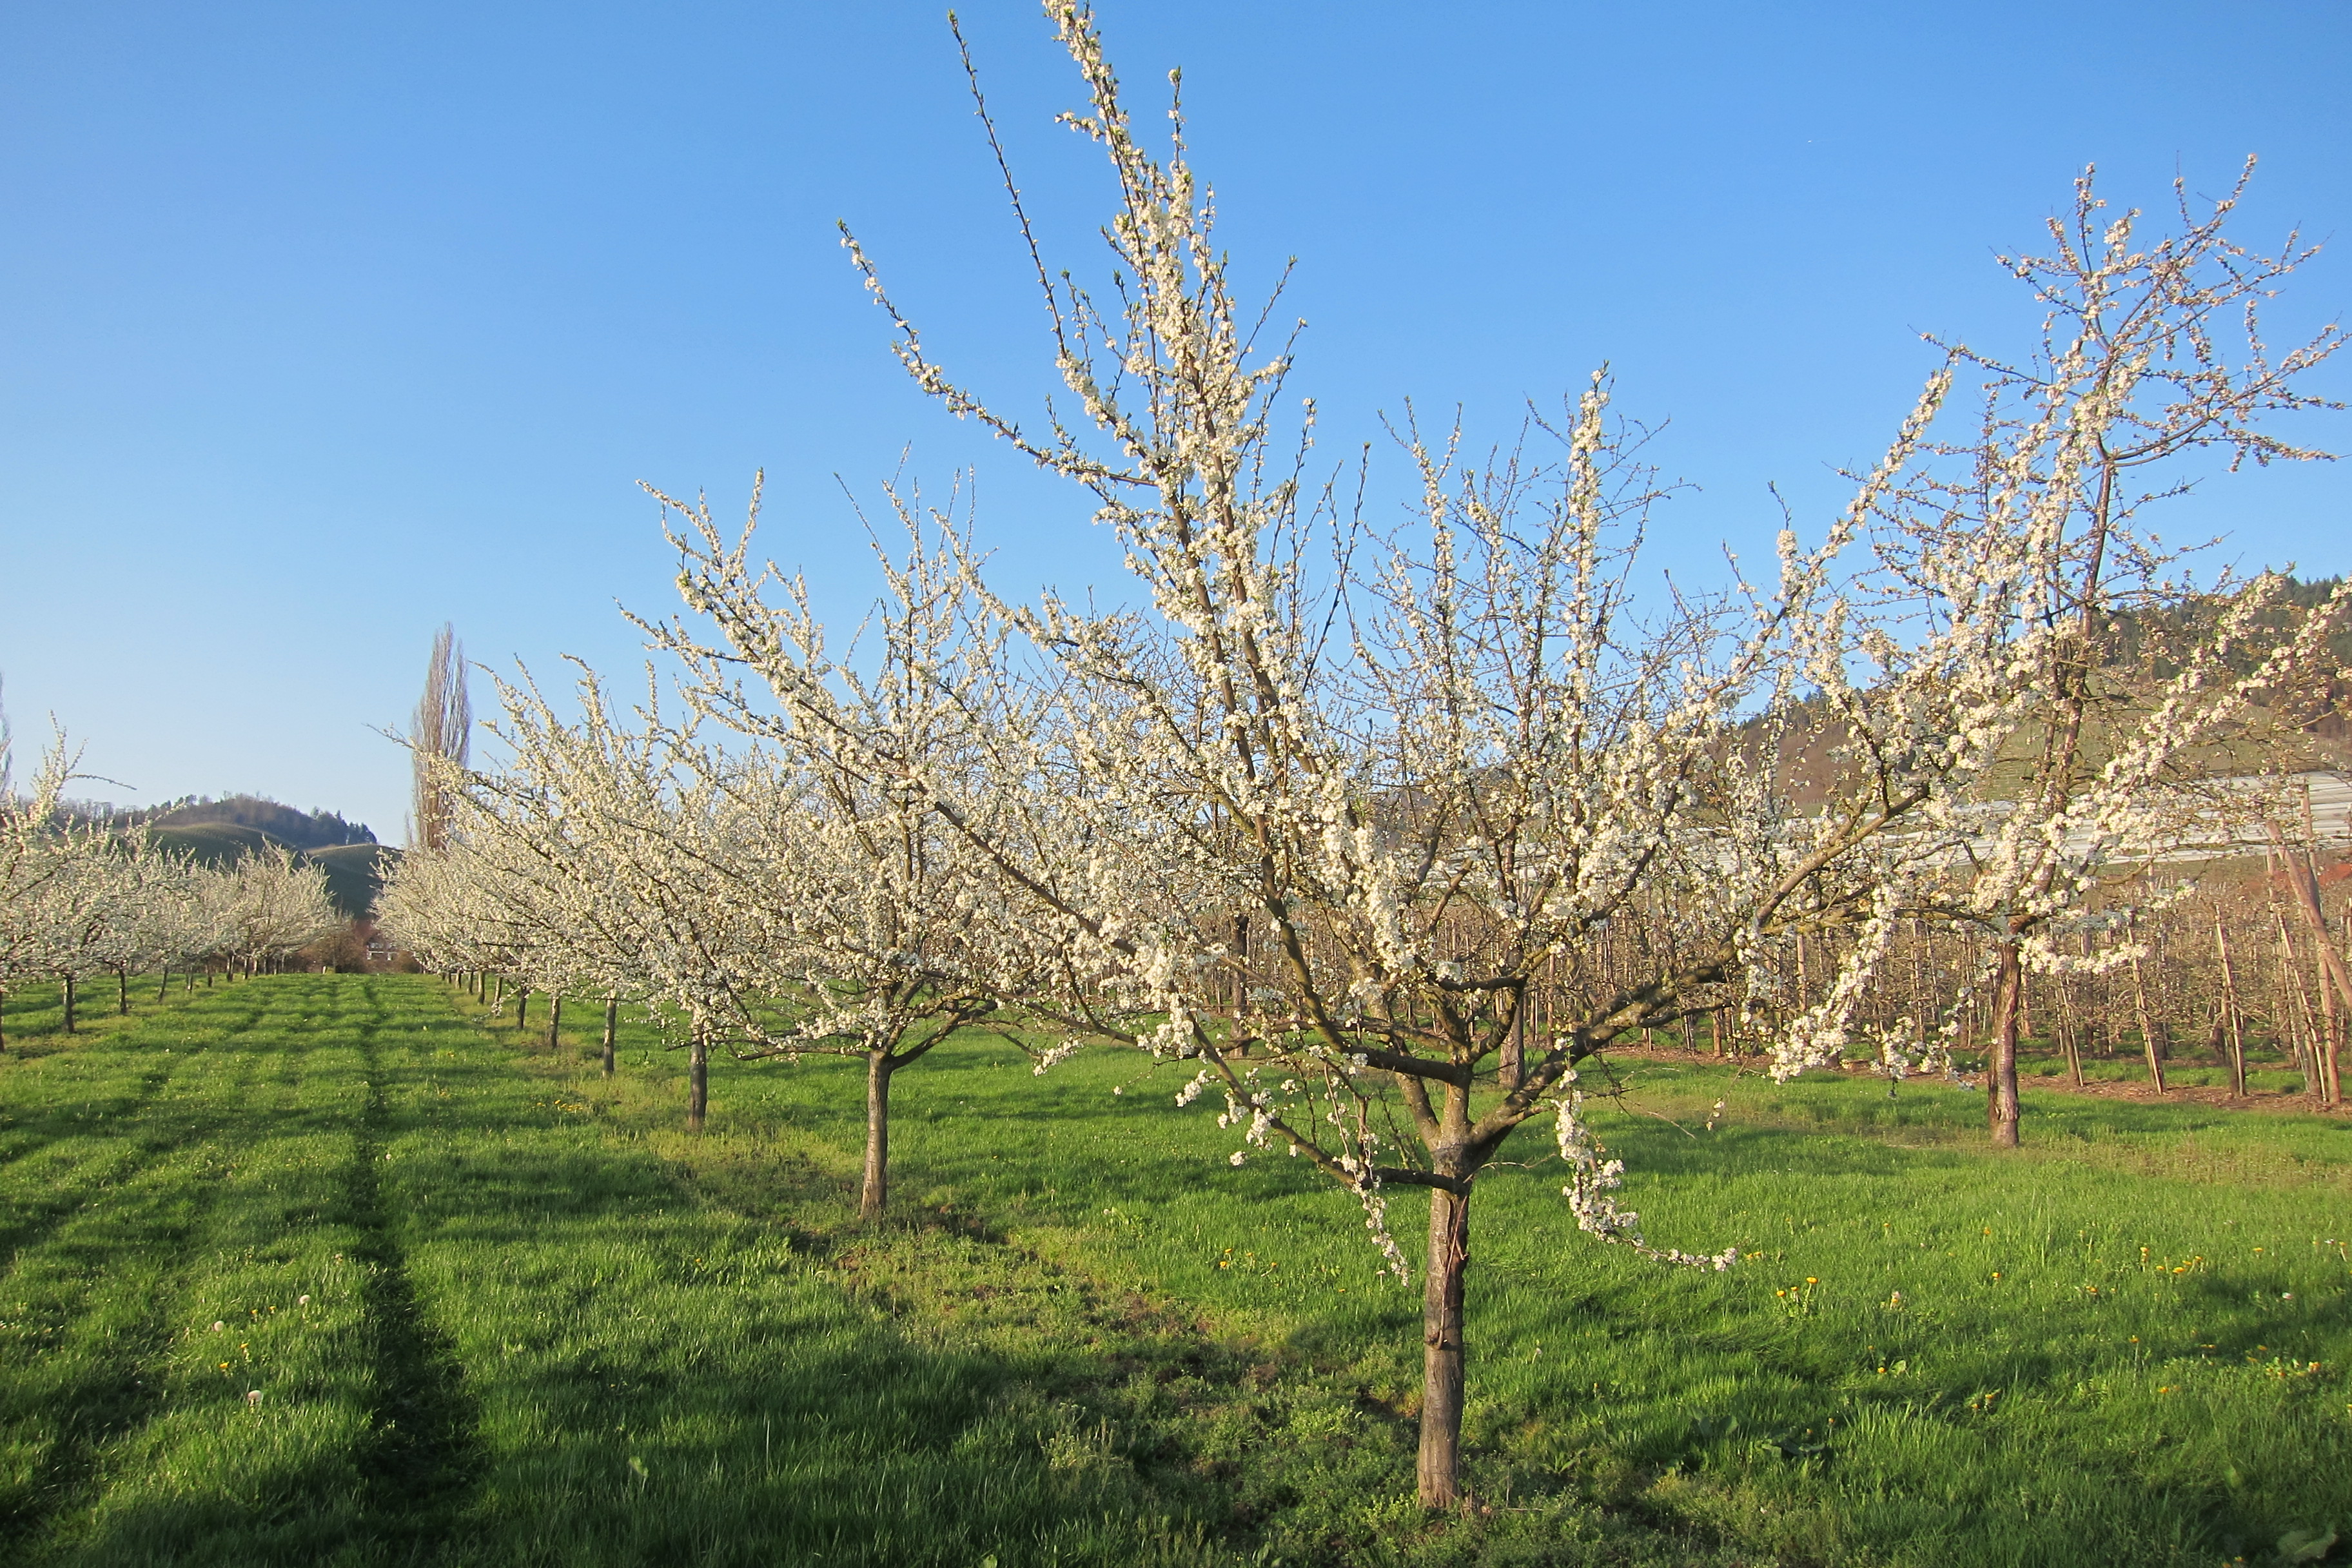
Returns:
point(322, 323)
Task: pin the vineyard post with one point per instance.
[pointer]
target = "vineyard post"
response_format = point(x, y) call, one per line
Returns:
point(2147, 1035)
point(2232, 1014)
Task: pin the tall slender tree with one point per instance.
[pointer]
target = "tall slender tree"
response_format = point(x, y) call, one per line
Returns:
point(440, 734)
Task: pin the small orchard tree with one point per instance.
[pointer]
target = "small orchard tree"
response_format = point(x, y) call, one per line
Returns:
point(278, 904)
point(149, 921)
point(583, 864)
point(187, 917)
point(887, 848)
point(89, 913)
point(2126, 676)
point(33, 857)
point(435, 907)
point(1319, 833)
point(1329, 831)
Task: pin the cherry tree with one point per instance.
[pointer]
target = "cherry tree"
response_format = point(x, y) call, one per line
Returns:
point(41, 856)
point(1360, 814)
point(583, 864)
point(888, 853)
point(2125, 673)
point(278, 904)
point(1334, 828)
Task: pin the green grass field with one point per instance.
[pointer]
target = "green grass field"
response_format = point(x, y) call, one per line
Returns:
point(326, 1270)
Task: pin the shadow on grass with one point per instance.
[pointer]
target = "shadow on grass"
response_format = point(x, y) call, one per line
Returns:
point(93, 1400)
point(421, 1455)
point(695, 1360)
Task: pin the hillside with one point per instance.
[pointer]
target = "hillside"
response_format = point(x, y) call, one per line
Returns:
point(296, 829)
point(354, 871)
point(354, 874)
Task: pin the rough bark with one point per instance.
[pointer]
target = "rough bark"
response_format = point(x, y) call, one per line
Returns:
point(1438, 1470)
point(522, 1006)
point(2002, 1106)
point(555, 1016)
point(612, 1020)
point(697, 1083)
point(122, 990)
point(874, 1196)
point(1511, 1071)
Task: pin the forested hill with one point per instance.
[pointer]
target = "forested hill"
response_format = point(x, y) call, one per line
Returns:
point(295, 829)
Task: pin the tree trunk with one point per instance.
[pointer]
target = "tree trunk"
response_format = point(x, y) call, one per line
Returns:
point(69, 1003)
point(1512, 1069)
point(697, 1083)
point(2002, 1106)
point(122, 990)
point(3, 1020)
point(1438, 1470)
point(522, 1006)
point(875, 1195)
point(164, 989)
point(555, 1016)
point(611, 1018)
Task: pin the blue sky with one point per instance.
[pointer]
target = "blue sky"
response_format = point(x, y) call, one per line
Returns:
point(322, 323)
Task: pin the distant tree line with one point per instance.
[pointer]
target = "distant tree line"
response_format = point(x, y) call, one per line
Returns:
point(295, 829)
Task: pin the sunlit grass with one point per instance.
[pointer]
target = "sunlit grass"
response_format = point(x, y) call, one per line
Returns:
point(547, 1325)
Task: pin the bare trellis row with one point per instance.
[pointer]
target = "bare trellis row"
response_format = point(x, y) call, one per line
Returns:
point(1386, 852)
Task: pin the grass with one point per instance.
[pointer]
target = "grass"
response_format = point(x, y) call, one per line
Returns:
point(545, 1325)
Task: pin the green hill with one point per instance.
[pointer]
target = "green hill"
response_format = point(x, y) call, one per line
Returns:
point(215, 844)
point(354, 874)
point(354, 871)
point(297, 829)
